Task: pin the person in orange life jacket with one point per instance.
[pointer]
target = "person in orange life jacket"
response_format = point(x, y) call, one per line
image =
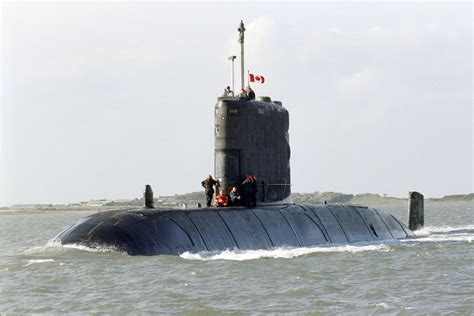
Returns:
point(222, 200)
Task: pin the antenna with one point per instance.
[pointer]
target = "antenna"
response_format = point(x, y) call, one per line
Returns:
point(232, 58)
point(241, 30)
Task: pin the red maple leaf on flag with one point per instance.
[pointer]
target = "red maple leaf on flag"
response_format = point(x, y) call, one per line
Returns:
point(254, 78)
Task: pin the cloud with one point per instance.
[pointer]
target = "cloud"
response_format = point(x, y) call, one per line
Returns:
point(376, 29)
point(259, 40)
point(258, 33)
point(358, 82)
point(262, 31)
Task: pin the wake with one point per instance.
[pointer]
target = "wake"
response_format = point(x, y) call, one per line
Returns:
point(281, 252)
point(54, 246)
point(444, 234)
point(429, 234)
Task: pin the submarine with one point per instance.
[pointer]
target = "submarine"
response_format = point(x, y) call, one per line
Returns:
point(251, 136)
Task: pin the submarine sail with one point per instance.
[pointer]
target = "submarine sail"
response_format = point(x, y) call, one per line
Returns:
point(251, 137)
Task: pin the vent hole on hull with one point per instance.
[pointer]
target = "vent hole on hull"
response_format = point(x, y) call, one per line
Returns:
point(373, 230)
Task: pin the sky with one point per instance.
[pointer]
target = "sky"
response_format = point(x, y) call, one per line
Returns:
point(100, 98)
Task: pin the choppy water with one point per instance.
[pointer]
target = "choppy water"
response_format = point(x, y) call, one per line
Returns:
point(430, 274)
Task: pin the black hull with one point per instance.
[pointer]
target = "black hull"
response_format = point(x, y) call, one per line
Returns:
point(172, 232)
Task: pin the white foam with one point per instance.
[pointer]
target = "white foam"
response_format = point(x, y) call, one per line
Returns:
point(444, 234)
point(383, 305)
point(98, 248)
point(428, 230)
point(33, 261)
point(443, 238)
point(284, 252)
point(34, 250)
point(57, 246)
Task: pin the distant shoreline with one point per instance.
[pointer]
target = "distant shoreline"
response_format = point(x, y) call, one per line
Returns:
point(370, 198)
point(190, 200)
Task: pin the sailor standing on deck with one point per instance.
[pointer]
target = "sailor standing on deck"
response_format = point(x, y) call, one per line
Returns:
point(208, 185)
point(250, 93)
point(228, 92)
point(243, 94)
point(250, 190)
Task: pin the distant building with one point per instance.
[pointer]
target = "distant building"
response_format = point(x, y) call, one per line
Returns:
point(94, 203)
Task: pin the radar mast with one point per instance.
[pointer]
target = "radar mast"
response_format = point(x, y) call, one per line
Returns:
point(241, 30)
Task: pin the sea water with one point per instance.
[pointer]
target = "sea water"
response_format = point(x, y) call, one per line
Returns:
point(433, 273)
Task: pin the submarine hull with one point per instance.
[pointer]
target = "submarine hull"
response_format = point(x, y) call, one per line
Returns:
point(172, 232)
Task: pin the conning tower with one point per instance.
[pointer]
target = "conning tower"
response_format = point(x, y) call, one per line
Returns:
point(251, 137)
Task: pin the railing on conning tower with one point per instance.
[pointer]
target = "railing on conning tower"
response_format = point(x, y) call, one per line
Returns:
point(235, 98)
point(265, 185)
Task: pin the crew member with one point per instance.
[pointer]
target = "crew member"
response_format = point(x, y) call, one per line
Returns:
point(208, 185)
point(250, 190)
point(234, 197)
point(250, 93)
point(243, 94)
point(227, 92)
point(222, 200)
point(254, 189)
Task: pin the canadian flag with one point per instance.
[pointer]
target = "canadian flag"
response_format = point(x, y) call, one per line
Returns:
point(254, 78)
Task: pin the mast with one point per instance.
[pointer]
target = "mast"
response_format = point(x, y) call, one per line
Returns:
point(232, 58)
point(241, 30)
